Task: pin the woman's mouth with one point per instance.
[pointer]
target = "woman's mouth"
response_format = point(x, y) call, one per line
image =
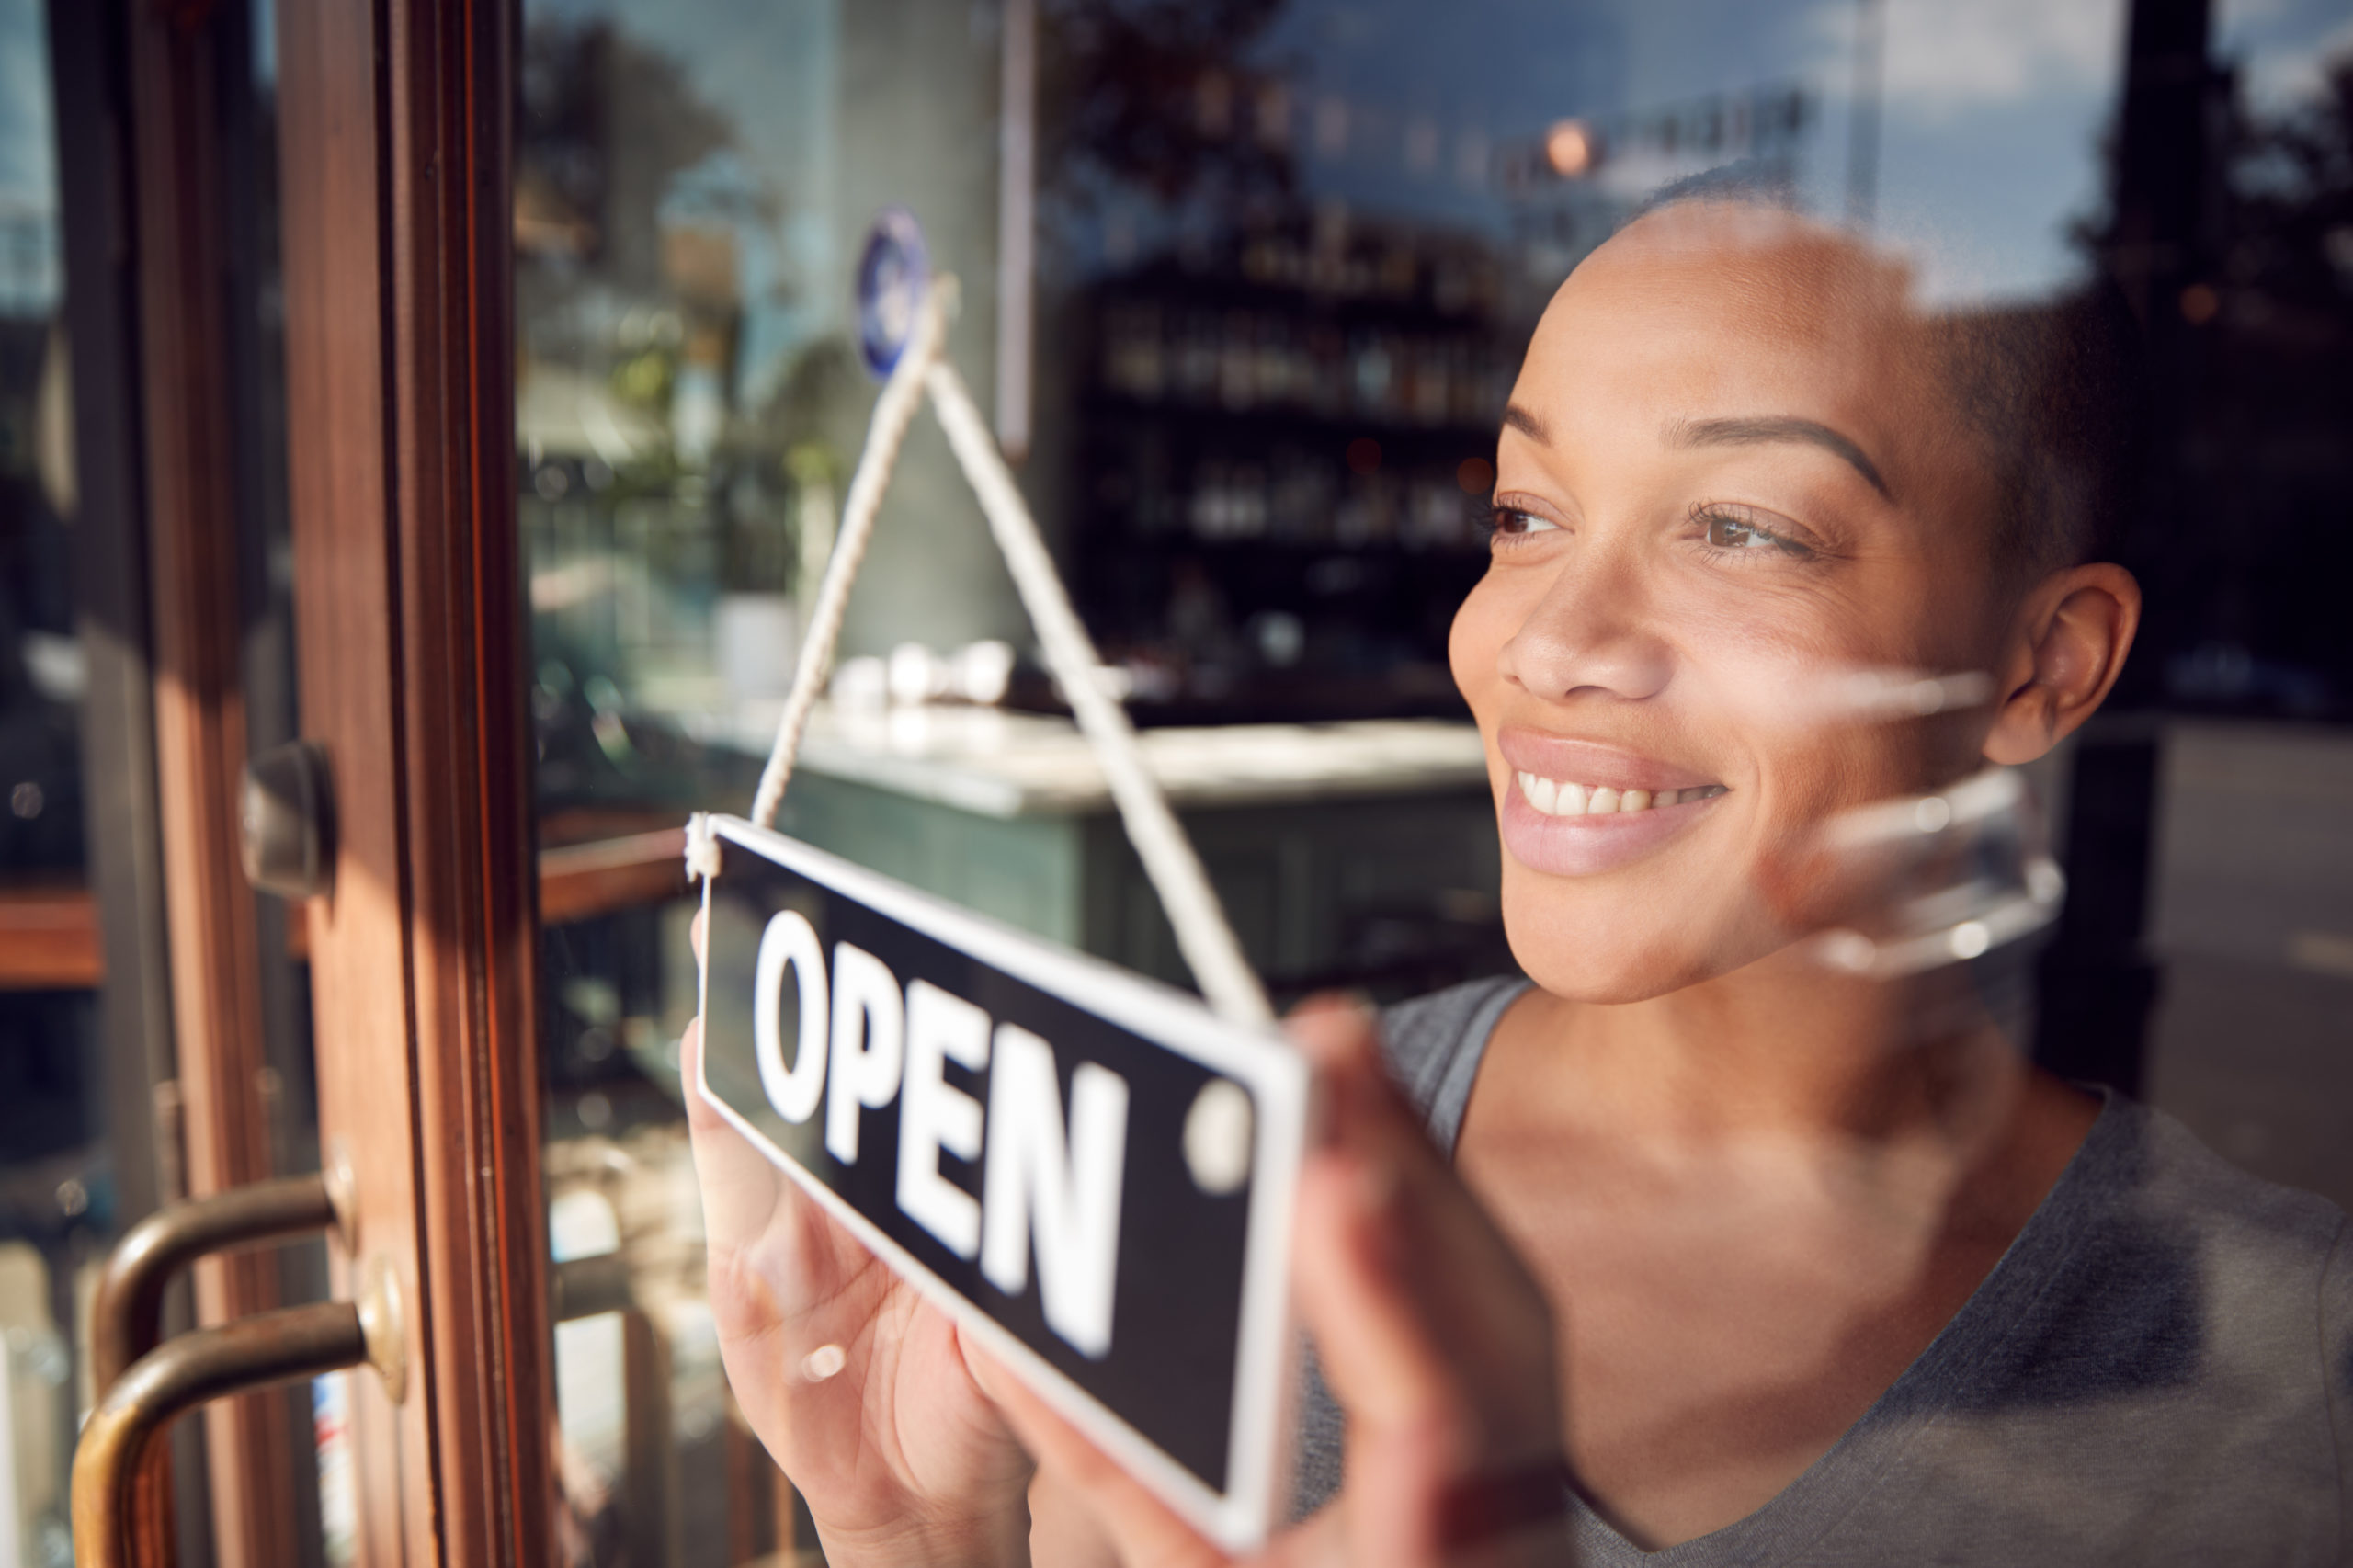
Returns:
point(1575, 808)
point(1566, 797)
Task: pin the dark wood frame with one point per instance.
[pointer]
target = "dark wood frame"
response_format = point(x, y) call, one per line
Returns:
point(183, 64)
point(395, 137)
point(120, 928)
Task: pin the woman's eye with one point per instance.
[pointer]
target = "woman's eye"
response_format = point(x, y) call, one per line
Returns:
point(1728, 532)
point(1513, 523)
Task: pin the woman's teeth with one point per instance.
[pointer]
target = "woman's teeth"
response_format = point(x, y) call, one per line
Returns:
point(1556, 799)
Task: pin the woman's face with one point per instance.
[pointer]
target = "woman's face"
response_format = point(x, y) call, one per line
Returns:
point(1729, 477)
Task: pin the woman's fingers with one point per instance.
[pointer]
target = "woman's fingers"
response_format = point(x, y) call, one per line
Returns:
point(740, 1188)
point(1432, 1334)
point(1395, 1249)
point(776, 1260)
point(1376, 1351)
point(1448, 1387)
point(1433, 1337)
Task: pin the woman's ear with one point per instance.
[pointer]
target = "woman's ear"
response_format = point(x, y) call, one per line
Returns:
point(2065, 652)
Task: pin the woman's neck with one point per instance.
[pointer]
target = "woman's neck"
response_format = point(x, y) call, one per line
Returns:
point(1753, 1203)
point(1779, 1050)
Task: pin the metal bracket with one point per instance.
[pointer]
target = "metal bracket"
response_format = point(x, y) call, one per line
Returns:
point(287, 826)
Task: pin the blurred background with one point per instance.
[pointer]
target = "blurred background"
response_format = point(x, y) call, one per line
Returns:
point(1245, 283)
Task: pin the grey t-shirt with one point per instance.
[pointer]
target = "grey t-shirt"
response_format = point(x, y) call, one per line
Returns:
point(2158, 1370)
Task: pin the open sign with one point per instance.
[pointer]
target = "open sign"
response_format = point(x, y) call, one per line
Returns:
point(1089, 1169)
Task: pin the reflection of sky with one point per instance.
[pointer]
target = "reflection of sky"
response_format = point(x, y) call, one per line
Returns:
point(721, 192)
point(2281, 46)
point(1991, 111)
point(28, 139)
point(28, 270)
point(769, 69)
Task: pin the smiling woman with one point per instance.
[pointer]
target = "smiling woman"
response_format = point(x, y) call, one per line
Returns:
point(1838, 1276)
point(1756, 1238)
point(1738, 465)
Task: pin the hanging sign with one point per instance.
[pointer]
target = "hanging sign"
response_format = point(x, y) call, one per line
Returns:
point(1091, 1171)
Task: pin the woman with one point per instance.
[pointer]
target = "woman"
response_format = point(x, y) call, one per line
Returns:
point(1716, 1253)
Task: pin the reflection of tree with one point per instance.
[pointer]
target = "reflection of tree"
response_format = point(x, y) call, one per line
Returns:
point(603, 122)
point(1154, 96)
point(2250, 525)
point(2287, 200)
point(2271, 467)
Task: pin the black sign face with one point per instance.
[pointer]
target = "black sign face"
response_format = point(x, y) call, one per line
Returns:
point(1089, 1169)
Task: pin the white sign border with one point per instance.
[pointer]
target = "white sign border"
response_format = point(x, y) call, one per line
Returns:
point(1279, 1080)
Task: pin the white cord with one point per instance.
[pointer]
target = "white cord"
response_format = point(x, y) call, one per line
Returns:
point(1203, 934)
point(893, 412)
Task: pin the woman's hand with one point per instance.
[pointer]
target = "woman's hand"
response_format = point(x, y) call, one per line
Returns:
point(1433, 1337)
point(862, 1391)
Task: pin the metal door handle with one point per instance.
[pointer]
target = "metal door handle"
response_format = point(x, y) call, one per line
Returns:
point(285, 821)
point(126, 1318)
point(175, 1377)
point(144, 1385)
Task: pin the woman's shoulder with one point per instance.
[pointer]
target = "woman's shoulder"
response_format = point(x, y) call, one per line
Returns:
point(1433, 1044)
point(2179, 1327)
point(2152, 1165)
point(2191, 1271)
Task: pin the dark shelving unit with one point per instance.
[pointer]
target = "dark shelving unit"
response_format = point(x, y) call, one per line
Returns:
point(1284, 450)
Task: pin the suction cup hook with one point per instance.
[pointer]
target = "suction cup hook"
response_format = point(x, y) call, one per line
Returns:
point(894, 275)
point(1965, 871)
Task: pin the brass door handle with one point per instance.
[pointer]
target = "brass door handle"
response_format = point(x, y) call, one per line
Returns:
point(126, 1318)
point(175, 1377)
point(142, 1385)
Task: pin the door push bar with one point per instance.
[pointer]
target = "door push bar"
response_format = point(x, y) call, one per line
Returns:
point(145, 1382)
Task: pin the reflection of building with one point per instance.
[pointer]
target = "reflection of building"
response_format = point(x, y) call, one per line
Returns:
point(2205, 885)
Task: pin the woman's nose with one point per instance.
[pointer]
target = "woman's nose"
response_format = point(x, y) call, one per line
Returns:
point(1595, 631)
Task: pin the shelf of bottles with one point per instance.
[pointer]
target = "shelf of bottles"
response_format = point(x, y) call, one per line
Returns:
point(1286, 450)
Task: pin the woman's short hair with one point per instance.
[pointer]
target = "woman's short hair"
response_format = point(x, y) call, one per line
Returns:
point(2055, 390)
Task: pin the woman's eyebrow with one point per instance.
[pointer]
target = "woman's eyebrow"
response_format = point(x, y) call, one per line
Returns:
point(1745, 432)
point(1520, 419)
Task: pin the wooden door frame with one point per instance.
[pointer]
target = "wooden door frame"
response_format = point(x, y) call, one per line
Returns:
point(395, 151)
point(179, 81)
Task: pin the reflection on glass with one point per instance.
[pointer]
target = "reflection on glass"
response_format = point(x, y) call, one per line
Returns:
point(41, 663)
point(1289, 260)
point(47, 1163)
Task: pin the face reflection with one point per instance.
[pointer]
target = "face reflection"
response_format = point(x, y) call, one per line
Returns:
point(1729, 475)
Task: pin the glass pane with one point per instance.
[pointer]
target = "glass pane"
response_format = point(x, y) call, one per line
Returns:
point(51, 1156)
point(77, 1092)
point(1250, 342)
point(41, 665)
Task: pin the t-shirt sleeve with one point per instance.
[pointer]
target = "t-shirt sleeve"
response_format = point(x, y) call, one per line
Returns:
point(2336, 1366)
point(1433, 1045)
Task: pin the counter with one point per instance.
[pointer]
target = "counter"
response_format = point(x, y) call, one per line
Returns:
point(1359, 853)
